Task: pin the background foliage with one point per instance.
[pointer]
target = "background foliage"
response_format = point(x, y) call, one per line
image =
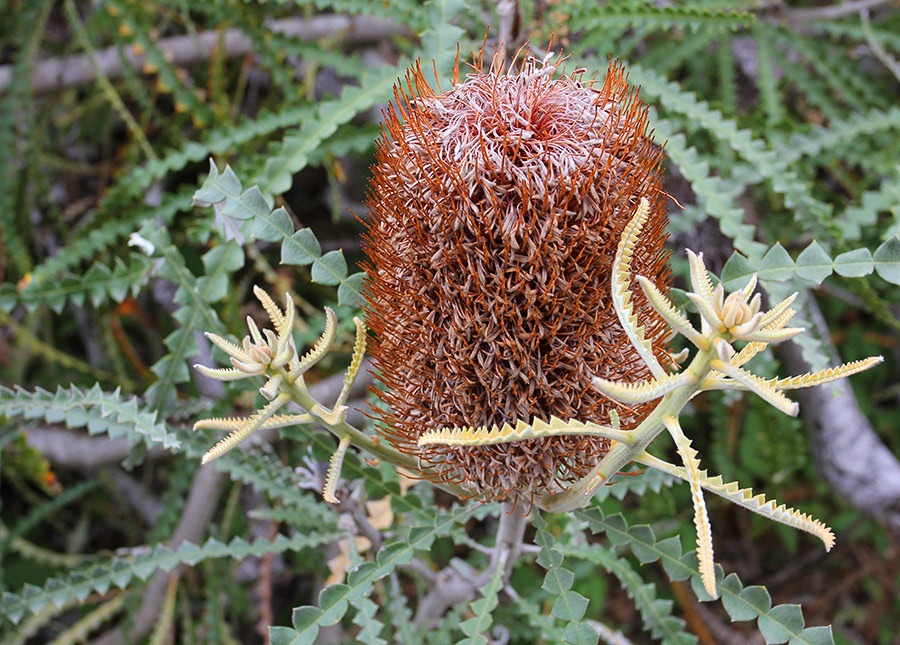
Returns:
point(780, 123)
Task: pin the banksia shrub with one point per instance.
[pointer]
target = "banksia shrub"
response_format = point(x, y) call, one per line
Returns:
point(495, 212)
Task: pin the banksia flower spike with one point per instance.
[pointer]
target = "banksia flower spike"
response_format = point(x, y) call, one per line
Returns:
point(496, 211)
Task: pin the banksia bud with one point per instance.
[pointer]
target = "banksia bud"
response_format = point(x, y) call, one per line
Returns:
point(496, 210)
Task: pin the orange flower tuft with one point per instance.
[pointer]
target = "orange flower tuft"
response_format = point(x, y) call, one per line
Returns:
point(496, 210)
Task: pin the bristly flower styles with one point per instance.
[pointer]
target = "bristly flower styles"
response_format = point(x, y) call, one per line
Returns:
point(496, 210)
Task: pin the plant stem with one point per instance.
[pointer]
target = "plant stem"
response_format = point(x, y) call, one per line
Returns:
point(621, 453)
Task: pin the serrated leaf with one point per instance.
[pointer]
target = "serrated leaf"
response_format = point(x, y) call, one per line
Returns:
point(738, 608)
point(782, 621)
point(558, 580)
point(814, 264)
point(287, 636)
point(248, 205)
point(820, 635)
point(887, 260)
point(776, 265)
point(333, 603)
point(643, 544)
point(303, 617)
point(301, 248)
point(581, 634)
point(757, 597)
point(273, 226)
point(737, 272)
point(331, 268)
point(569, 605)
point(349, 293)
point(854, 264)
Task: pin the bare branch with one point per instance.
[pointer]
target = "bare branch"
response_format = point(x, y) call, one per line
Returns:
point(833, 12)
point(198, 511)
point(848, 452)
point(71, 71)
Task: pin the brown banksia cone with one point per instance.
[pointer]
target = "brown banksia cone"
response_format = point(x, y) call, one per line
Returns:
point(495, 212)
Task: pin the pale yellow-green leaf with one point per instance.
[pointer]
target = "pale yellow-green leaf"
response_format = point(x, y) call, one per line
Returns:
point(621, 293)
point(643, 391)
point(758, 386)
point(251, 425)
point(701, 518)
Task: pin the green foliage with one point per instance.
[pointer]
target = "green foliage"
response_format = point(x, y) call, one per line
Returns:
point(235, 207)
point(813, 264)
point(777, 624)
point(776, 127)
point(334, 601)
point(94, 409)
point(119, 572)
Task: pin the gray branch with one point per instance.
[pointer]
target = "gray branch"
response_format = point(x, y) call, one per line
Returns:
point(847, 451)
point(76, 70)
point(195, 518)
point(459, 582)
point(834, 11)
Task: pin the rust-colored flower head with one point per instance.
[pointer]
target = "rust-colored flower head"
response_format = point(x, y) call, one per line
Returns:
point(496, 210)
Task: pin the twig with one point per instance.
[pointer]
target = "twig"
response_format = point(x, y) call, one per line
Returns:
point(76, 70)
point(833, 12)
point(877, 50)
point(506, 11)
point(71, 450)
point(847, 451)
point(148, 507)
point(459, 583)
point(607, 635)
point(689, 606)
point(195, 518)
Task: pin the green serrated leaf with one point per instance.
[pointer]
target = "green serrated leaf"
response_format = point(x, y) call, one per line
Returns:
point(331, 268)
point(738, 608)
point(304, 617)
point(558, 580)
point(758, 598)
point(286, 636)
point(334, 604)
point(301, 248)
point(569, 605)
point(273, 226)
point(820, 635)
point(854, 264)
point(737, 272)
point(782, 621)
point(776, 265)
point(814, 264)
point(887, 260)
point(349, 293)
point(581, 634)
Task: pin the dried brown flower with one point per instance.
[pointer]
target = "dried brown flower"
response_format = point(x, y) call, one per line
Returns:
point(496, 209)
